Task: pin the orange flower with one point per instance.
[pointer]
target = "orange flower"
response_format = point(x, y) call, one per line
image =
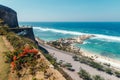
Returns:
point(14, 58)
point(13, 65)
point(35, 51)
point(26, 50)
point(22, 54)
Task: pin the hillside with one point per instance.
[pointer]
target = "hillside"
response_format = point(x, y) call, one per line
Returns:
point(4, 68)
point(21, 59)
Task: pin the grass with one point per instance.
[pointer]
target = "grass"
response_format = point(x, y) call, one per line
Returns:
point(4, 68)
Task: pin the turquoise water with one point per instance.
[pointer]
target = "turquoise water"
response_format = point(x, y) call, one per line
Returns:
point(106, 42)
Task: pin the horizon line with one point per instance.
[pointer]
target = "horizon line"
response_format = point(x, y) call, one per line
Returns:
point(68, 21)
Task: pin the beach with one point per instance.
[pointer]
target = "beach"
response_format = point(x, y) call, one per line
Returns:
point(113, 63)
point(67, 57)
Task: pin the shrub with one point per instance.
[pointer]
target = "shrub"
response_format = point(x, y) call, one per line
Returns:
point(76, 58)
point(97, 65)
point(3, 30)
point(68, 65)
point(109, 71)
point(18, 42)
point(117, 74)
point(85, 75)
point(19, 58)
point(97, 77)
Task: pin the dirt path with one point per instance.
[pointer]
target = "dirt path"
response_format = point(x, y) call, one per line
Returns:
point(4, 67)
point(7, 44)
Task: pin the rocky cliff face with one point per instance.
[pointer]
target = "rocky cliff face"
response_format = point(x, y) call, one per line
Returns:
point(9, 16)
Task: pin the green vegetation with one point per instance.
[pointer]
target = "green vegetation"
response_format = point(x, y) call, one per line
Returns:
point(24, 58)
point(109, 71)
point(24, 54)
point(3, 29)
point(17, 42)
point(97, 77)
point(76, 58)
point(83, 59)
point(55, 64)
point(96, 65)
point(117, 74)
point(89, 62)
point(4, 67)
point(67, 65)
point(85, 75)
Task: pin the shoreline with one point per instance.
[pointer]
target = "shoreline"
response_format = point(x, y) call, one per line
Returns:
point(102, 59)
point(115, 64)
point(67, 57)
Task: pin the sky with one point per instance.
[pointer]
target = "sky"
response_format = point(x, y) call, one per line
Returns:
point(65, 10)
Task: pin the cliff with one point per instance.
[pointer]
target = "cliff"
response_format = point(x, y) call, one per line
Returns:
point(9, 16)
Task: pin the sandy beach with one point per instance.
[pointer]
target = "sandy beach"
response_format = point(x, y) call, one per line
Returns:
point(113, 63)
point(67, 57)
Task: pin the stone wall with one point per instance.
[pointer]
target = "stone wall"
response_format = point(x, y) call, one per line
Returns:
point(9, 16)
point(26, 32)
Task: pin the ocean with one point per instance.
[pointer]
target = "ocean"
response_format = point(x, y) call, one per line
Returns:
point(106, 41)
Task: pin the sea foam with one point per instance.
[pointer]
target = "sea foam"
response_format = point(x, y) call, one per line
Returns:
point(97, 36)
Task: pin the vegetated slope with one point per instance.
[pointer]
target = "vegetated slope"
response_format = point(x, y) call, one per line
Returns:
point(4, 67)
point(27, 62)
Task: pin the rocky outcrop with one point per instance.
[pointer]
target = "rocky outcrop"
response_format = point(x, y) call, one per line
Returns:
point(8, 16)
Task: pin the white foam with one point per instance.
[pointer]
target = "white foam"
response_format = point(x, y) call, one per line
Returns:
point(107, 38)
point(86, 42)
point(97, 36)
point(59, 31)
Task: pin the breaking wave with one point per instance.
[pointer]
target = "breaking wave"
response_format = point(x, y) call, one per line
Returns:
point(97, 36)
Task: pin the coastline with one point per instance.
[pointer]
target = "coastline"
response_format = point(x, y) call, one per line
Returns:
point(67, 57)
point(115, 64)
point(102, 59)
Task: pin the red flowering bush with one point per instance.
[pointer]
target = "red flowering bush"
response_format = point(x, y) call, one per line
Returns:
point(27, 54)
point(14, 58)
point(13, 65)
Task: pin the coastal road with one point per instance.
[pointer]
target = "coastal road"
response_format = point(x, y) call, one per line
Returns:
point(67, 57)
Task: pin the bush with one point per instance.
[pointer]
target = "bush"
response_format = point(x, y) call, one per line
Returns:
point(3, 30)
point(68, 65)
point(117, 74)
point(97, 65)
point(76, 58)
point(18, 42)
point(109, 71)
point(85, 75)
point(9, 57)
point(50, 58)
point(97, 77)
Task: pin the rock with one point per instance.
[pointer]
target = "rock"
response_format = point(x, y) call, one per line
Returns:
point(84, 37)
point(9, 16)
